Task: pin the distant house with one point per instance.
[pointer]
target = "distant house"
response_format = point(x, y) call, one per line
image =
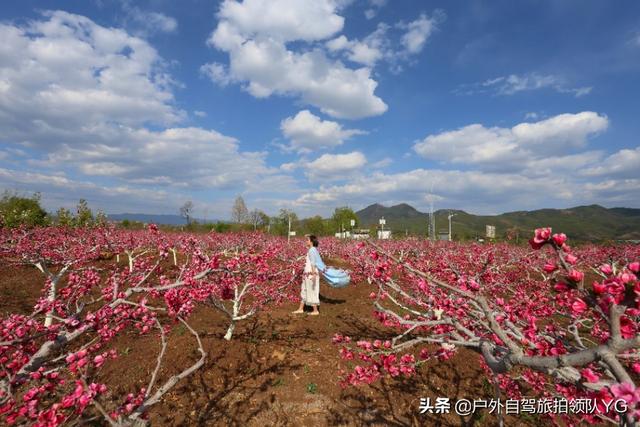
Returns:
point(362, 233)
point(384, 234)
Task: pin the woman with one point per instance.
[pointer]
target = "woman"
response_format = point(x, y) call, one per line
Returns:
point(310, 293)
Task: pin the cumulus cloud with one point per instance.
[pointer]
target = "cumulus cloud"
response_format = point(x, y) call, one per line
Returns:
point(380, 44)
point(191, 157)
point(308, 132)
point(255, 34)
point(335, 166)
point(96, 100)
point(367, 51)
point(511, 148)
point(60, 190)
point(622, 164)
point(463, 188)
point(527, 166)
point(477, 191)
point(65, 73)
point(515, 83)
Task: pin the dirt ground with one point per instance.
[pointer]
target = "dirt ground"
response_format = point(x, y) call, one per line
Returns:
point(280, 369)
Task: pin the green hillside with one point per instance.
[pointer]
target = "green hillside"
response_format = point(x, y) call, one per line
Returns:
point(592, 223)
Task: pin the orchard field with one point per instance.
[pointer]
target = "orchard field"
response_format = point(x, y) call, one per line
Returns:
point(105, 326)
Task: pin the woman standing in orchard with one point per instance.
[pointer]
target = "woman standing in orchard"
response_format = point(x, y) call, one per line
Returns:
point(310, 292)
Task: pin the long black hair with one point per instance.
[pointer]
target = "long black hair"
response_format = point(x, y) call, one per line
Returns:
point(314, 240)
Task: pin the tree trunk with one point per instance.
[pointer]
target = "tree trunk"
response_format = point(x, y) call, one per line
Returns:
point(229, 333)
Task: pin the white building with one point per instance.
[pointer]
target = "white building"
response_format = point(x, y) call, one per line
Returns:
point(384, 234)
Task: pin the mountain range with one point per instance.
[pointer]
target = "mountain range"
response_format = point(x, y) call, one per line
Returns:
point(583, 223)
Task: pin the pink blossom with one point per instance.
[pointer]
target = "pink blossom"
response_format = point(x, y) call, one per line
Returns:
point(589, 375)
point(576, 275)
point(540, 237)
point(627, 392)
point(542, 234)
point(626, 277)
point(635, 267)
point(98, 360)
point(627, 327)
point(559, 238)
point(571, 259)
point(599, 288)
point(578, 306)
point(606, 269)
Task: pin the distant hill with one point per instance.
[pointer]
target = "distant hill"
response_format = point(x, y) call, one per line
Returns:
point(151, 218)
point(592, 222)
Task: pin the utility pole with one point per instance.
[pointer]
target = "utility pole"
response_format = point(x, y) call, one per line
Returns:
point(449, 217)
point(432, 223)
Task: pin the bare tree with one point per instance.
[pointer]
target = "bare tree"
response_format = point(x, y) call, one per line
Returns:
point(186, 210)
point(257, 218)
point(239, 212)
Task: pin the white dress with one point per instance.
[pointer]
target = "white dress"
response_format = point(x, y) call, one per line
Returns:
point(310, 292)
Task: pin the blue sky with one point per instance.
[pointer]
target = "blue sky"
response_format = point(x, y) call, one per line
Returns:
point(486, 106)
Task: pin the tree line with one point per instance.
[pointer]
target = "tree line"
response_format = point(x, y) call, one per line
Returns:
point(17, 210)
point(245, 219)
point(20, 210)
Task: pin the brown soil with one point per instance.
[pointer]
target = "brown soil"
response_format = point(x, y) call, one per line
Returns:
point(279, 368)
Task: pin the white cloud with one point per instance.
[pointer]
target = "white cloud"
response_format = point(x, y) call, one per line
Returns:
point(418, 32)
point(382, 163)
point(528, 166)
point(514, 83)
point(255, 32)
point(335, 166)
point(458, 188)
point(308, 132)
point(199, 113)
point(474, 191)
point(370, 13)
point(60, 190)
point(190, 157)
point(145, 22)
point(374, 7)
point(82, 97)
point(283, 20)
point(369, 51)
point(624, 163)
point(380, 44)
point(511, 148)
point(64, 74)
point(218, 73)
